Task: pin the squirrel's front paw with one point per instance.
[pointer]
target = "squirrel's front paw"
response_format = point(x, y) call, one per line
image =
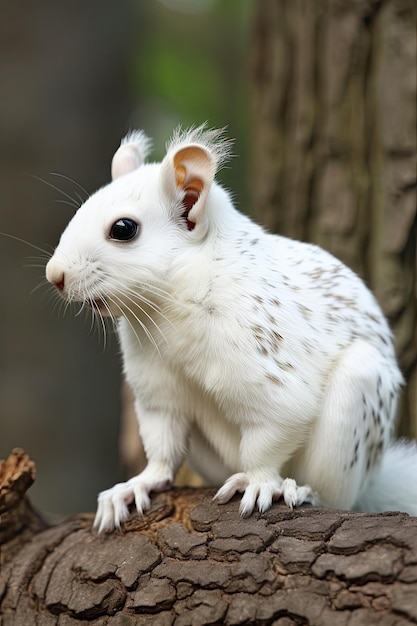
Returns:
point(262, 493)
point(113, 504)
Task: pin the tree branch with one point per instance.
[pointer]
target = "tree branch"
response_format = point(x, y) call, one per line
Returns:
point(191, 561)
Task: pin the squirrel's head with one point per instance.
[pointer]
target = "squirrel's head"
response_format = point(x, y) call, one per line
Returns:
point(124, 238)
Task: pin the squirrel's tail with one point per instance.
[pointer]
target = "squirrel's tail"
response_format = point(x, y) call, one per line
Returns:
point(394, 485)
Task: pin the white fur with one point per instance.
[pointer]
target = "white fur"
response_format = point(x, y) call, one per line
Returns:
point(394, 483)
point(266, 358)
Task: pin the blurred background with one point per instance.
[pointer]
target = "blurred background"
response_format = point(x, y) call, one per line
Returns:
point(321, 100)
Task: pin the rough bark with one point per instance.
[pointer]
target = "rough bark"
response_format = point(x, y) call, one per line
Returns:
point(334, 159)
point(18, 520)
point(193, 562)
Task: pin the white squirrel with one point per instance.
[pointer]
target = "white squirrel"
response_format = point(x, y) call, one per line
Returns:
point(263, 357)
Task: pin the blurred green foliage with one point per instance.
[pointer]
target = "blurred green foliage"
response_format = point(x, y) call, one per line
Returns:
point(190, 66)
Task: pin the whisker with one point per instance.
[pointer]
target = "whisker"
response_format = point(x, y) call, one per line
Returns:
point(135, 302)
point(93, 320)
point(40, 263)
point(110, 315)
point(61, 191)
point(95, 314)
point(79, 198)
point(158, 291)
point(103, 326)
point(151, 288)
point(37, 287)
point(82, 307)
point(71, 180)
point(27, 243)
point(67, 304)
point(39, 258)
point(143, 297)
point(146, 330)
point(39, 266)
point(136, 298)
point(72, 204)
point(37, 261)
point(131, 325)
point(58, 303)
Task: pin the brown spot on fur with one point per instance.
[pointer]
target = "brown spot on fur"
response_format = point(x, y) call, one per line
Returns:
point(305, 311)
point(274, 380)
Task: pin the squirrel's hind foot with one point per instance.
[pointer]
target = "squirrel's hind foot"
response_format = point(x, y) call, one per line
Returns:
point(261, 493)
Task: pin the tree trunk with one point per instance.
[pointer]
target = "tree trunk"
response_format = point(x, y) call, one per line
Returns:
point(193, 562)
point(334, 160)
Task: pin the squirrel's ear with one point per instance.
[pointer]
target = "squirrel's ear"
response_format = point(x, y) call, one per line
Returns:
point(132, 154)
point(188, 174)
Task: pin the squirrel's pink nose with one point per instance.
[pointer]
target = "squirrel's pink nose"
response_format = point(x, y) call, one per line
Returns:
point(60, 284)
point(55, 275)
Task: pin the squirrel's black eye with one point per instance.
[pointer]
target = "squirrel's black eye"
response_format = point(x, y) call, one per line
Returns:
point(124, 229)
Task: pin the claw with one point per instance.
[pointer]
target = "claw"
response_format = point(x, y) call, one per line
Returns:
point(267, 494)
point(294, 495)
point(248, 501)
point(236, 482)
